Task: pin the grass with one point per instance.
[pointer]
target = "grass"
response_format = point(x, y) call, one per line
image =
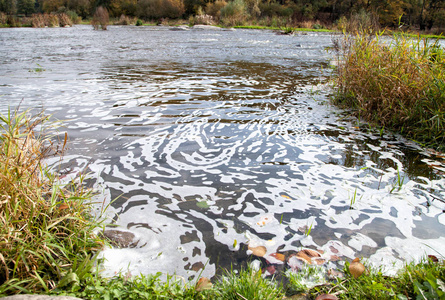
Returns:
point(416, 281)
point(422, 281)
point(398, 85)
point(45, 228)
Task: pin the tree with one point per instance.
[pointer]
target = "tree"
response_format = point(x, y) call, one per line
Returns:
point(26, 7)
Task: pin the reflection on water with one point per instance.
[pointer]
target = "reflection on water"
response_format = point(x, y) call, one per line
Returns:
point(210, 141)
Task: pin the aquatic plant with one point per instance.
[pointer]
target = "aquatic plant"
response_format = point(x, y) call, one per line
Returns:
point(45, 229)
point(398, 182)
point(398, 85)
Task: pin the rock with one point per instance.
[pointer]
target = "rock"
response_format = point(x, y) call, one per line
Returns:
point(180, 28)
point(39, 297)
point(120, 239)
point(210, 27)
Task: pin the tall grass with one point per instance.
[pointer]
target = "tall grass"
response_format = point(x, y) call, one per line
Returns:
point(398, 85)
point(45, 228)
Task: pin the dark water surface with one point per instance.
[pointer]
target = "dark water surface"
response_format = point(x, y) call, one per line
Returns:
point(213, 140)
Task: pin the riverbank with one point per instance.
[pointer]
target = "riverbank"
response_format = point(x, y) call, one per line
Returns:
point(48, 245)
point(396, 85)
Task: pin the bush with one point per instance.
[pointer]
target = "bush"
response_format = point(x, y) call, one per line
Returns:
point(214, 8)
point(234, 13)
point(400, 86)
point(64, 20)
point(156, 9)
point(100, 18)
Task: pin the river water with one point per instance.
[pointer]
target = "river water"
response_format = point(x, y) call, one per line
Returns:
point(211, 141)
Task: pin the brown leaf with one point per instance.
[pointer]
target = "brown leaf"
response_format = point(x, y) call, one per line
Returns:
point(311, 253)
point(271, 269)
point(356, 268)
point(308, 254)
point(334, 258)
point(319, 261)
point(433, 258)
point(295, 263)
point(259, 251)
point(278, 256)
point(326, 297)
point(203, 284)
point(334, 250)
point(63, 206)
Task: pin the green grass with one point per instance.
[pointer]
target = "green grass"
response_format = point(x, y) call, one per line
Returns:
point(45, 228)
point(422, 281)
point(399, 85)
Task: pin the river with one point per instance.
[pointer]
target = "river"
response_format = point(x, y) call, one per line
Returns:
point(204, 143)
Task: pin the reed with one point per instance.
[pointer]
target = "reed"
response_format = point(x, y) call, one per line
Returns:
point(44, 226)
point(397, 84)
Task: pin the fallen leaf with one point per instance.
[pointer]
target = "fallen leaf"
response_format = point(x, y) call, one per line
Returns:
point(433, 258)
point(295, 263)
point(311, 253)
point(308, 254)
point(203, 284)
point(304, 256)
point(259, 251)
point(356, 268)
point(286, 196)
point(278, 256)
point(63, 206)
point(319, 261)
point(333, 250)
point(334, 258)
point(326, 297)
point(271, 269)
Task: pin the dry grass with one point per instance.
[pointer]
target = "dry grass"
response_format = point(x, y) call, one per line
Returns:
point(44, 227)
point(398, 85)
point(50, 20)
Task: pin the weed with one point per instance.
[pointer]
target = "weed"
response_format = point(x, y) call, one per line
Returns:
point(398, 183)
point(306, 278)
point(398, 85)
point(414, 281)
point(248, 284)
point(307, 232)
point(45, 228)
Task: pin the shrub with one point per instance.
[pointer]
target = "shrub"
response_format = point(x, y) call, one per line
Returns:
point(214, 8)
point(400, 86)
point(64, 20)
point(125, 20)
point(160, 8)
point(234, 13)
point(139, 22)
point(75, 18)
point(100, 18)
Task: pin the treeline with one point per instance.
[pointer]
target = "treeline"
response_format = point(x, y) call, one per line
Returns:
point(414, 14)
